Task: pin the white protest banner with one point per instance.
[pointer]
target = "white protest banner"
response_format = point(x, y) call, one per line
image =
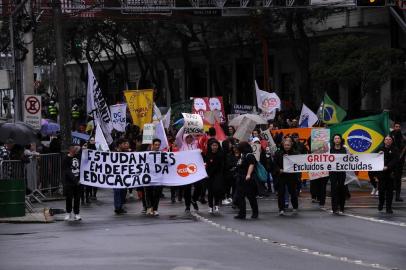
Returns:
point(100, 141)
point(243, 132)
point(148, 133)
point(97, 105)
point(256, 150)
point(320, 144)
point(118, 113)
point(333, 162)
point(157, 115)
point(160, 134)
point(267, 101)
point(193, 123)
point(137, 169)
point(267, 135)
point(268, 115)
point(32, 111)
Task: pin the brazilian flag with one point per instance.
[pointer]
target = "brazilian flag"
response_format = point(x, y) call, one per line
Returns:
point(331, 112)
point(363, 135)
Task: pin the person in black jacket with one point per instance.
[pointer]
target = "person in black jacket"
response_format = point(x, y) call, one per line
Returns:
point(72, 187)
point(246, 185)
point(337, 179)
point(286, 179)
point(400, 143)
point(215, 170)
point(386, 177)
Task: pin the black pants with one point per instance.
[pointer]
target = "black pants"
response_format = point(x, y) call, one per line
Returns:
point(202, 189)
point(246, 189)
point(385, 192)
point(86, 192)
point(214, 196)
point(157, 191)
point(314, 189)
point(338, 193)
point(73, 193)
point(175, 190)
point(187, 193)
point(94, 191)
point(291, 183)
point(322, 185)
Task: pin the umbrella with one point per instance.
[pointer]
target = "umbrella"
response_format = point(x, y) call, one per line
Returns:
point(19, 132)
point(256, 118)
point(49, 128)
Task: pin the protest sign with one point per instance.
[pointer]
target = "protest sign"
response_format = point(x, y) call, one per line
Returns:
point(193, 123)
point(244, 130)
point(140, 104)
point(304, 133)
point(333, 162)
point(256, 150)
point(320, 138)
point(267, 135)
point(209, 104)
point(118, 113)
point(242, 109)
point(148, 133)
point(137, 169)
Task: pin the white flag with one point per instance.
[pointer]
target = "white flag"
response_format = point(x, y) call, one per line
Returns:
point(160, 134)
point(307, 117)
point(267, 102)
point(101, 144)
point(97, 105)
point(157, 113)
point(167, 119)
point(118, 113)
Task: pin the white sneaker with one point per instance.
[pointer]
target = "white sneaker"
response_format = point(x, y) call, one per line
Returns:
point(156, 213)
point(77, 217)
point(377, 193)
point(216, 209)
point(281, 213)
point(230, 200)
point(225, 202)
point(210, 210)
point(373, 191)
point(67, 216)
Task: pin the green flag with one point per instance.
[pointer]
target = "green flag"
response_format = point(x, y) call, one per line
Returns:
point(363, 135)
point(332, 113)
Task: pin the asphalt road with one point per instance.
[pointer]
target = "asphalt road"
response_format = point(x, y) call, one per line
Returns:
point(312, 239)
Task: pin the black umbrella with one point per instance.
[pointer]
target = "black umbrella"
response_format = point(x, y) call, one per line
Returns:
point(19, 132)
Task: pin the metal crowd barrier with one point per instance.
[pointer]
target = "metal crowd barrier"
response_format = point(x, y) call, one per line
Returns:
point(42, 174)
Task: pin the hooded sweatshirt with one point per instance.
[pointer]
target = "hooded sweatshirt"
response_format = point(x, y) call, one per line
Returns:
point(181, 141)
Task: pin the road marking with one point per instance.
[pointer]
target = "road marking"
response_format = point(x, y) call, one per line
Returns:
point(382, 221)
point(293, 247)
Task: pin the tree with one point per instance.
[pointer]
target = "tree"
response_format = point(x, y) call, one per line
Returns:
point(351, 61)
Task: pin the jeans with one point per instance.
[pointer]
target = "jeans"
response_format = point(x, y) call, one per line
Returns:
point(119, 193)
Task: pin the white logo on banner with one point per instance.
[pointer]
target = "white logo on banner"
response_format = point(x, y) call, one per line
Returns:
point(119, 117)
point(136, 169)
point(97, 105)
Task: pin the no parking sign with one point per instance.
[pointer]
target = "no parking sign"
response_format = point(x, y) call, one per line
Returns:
point(32, 111)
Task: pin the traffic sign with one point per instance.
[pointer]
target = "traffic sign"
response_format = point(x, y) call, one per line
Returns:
point(32, 111)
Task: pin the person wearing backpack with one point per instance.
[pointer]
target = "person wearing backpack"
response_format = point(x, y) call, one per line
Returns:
point(286, 179)
point(246, 185)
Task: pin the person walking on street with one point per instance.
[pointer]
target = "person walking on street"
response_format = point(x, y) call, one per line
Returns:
point(120, 193)
point(153, 193)
point(246, 186)
point(288, 180)
point(386, 177)
point(337, 179)
point(400, 143)
point(215, 170)
point(72, 187)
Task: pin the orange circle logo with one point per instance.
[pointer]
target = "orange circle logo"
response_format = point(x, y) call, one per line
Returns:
point(186, 170)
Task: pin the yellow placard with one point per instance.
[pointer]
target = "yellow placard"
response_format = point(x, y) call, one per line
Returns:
point(141, 104)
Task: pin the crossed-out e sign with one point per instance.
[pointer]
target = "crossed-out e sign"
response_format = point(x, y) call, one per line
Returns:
point(32, 111)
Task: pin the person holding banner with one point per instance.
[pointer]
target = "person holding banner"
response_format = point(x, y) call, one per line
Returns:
point(215, 169)
point(288, 180)
point(337, 179)
point(245, 182)
point(153, 193)
point(187, 142)
point(386, 177)
point(120, 193)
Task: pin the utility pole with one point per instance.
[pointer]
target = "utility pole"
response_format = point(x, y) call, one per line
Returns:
point(63, 96)
point(28, 64)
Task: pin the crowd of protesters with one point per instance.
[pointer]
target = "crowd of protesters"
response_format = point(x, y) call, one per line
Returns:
point(230, 165)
